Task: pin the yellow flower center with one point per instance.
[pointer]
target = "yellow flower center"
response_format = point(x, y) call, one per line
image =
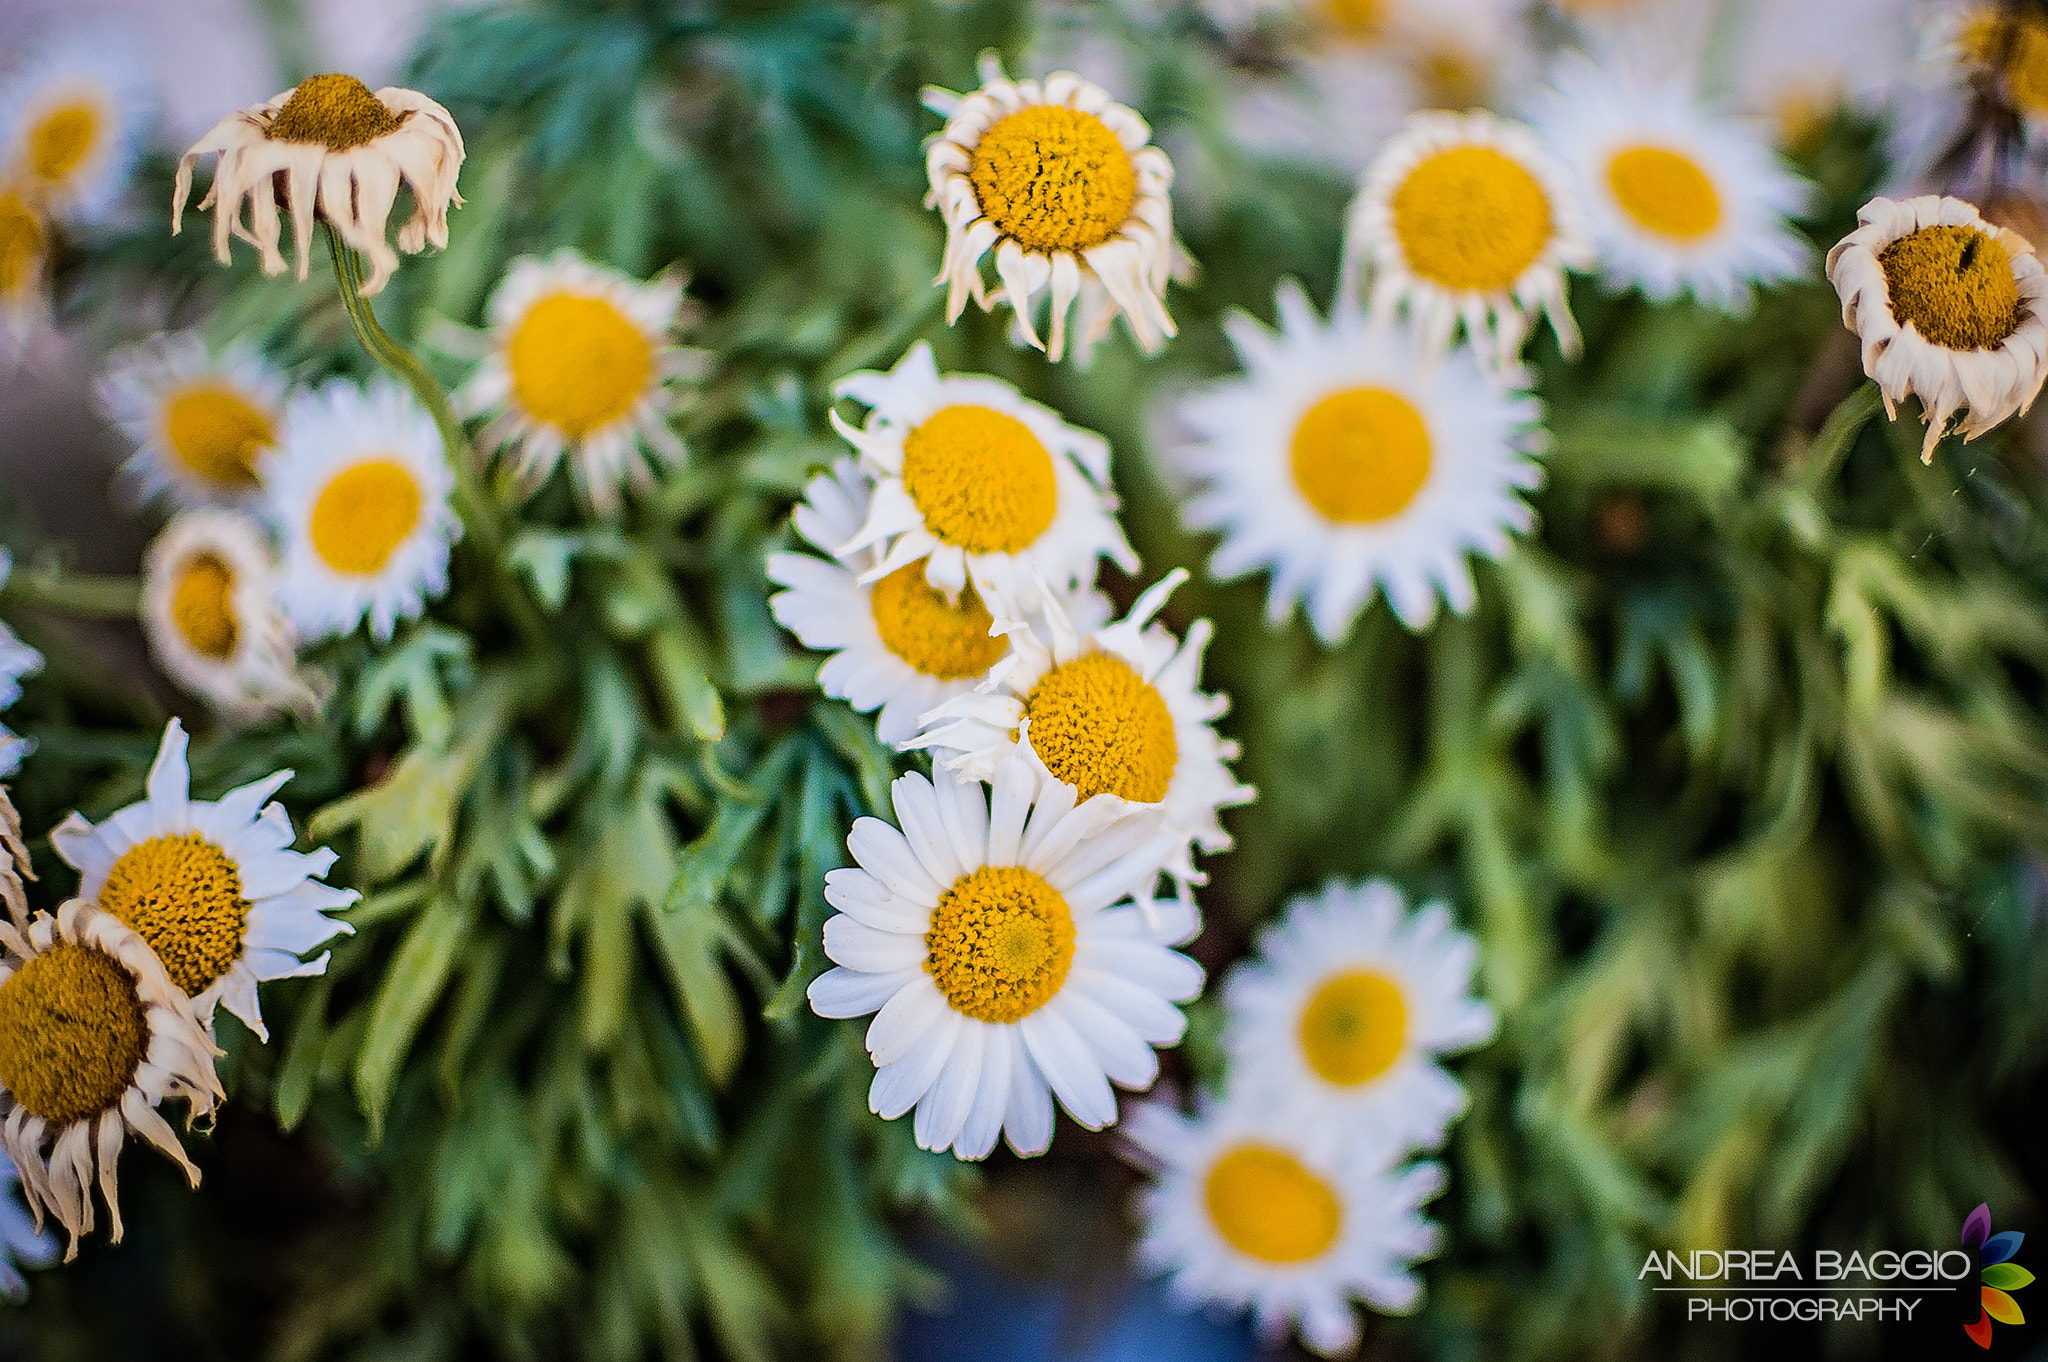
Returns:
point(364, 514)
point(1100, 727)
point(981, 479)
point(1471, 218)
point(183, 896)
point(336, 111)
point(2014, 44)
point(1452, 77)
point(935, 636)
point(216, 433)
point(1664, 191)
point(578, 364)
point(203, 606)
point(1361, 455)
point(62, 140)
point(1055, 179)
point(1360, 18)
point(22, 241)
point(72, 1032)
point(1267, 1206)
point(1353, 1028)
point(1000, 943)
point(1954, 284)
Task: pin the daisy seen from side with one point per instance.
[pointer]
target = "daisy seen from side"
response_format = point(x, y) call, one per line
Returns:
point(1248, 1211)
point(94, 1037)
point(1948, 307)
point(1345, 463)
point(328, 145)
point(210, 613)
point(199, 420)
point(73, 119)
point(978, 483)
point(24, 266)
point(1062, 182)
point(583, 365)
point(358, 487)
point(212, 887)
point(1463, 220)
point(991, 936)
point(1115, 712)
point(1679, 200)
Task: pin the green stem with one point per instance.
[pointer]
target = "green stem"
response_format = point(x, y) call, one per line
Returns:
point(83, 594)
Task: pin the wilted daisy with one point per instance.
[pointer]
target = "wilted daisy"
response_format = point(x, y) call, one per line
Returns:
point(1999, 47)
point(583, 363)
point(94, 1037)
point(990, 935)
point(1464, 219)
point(358, 486)
point(1679, 199)
point(210, 613)
point(897, 644)
point(72, 119)
point(1344, 462)
point(978, 483)
point(1338, 1019)
point(22, 1242)
point(213, 886)
point(198, 420)
point(1949, 308)
point(24, 260)
point(1116, 711)
point(17, 660)
point(1064, 183)
point(330, 145)
point(1249, 1211)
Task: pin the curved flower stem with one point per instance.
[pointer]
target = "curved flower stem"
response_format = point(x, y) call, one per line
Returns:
point(86, 595)
point(481, 518)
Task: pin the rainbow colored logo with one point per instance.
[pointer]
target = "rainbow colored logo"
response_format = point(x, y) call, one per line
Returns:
point(1999, 1274)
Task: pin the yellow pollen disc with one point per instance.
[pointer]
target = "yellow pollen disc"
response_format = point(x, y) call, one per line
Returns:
point(1100, 727)
point(336, 111)
point(203, 606)
point(216, 433)
point(1471, 218)
point(1360, 456)
point(1055, 179)
point(578, 364)
point(1954, 284)
point(1664, 191)
point(364, 514)
point(1267, 1206)
point(981, 479)
point(1000, 943)
point(183, 896)
point(1452, 77)
point(1354, 1027)
point(62, 140)
point(1361, 18)
point(932, 634)
point(72, 1031)
point(2015, 46)
point(22, 241)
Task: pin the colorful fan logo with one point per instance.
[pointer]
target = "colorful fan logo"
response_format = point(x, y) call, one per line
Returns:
point(1999, 1274)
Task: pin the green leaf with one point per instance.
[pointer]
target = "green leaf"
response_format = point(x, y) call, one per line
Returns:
point(412, 985)
point(1703, 457)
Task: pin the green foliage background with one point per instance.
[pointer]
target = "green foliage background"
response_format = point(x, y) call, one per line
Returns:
point(1736, 772)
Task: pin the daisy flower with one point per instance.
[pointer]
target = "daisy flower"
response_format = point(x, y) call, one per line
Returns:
point(1679, 200)
point(22, 1242)
point(976, 482)
point(990, 937)
point(1064, 183)
point(1339, 1017)
point(1949, 308)
point(1116, 712)
point(1248, 1211)
point(1464, 219)
point(209, 611)
point(358, 486)
point(24, 262)
point(212, 887)
point(582, 363)
point(897, 644)
point(94, 1037)
point(17, 660)
point(1346, 462)
point(72, 120)
point(329, 146)
point(199, 421)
